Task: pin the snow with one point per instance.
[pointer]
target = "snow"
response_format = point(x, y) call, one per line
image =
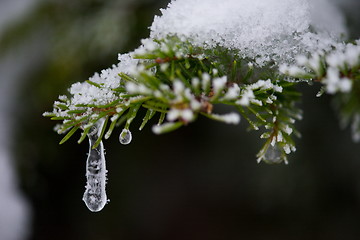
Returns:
point(262, 30)
point(279, 137)
point(219, 84)
point(230, 118)
point(85, 93)
point(187, 115)
point(287, 149)
point(184, 114)
point(173, 114)
point(233, 92)
point(205, 81)
point(159, 129)
point(334, 83)
point(338, 61)
point(348, 56)
point(246, 96)
point(178, 87)
point(288, 130)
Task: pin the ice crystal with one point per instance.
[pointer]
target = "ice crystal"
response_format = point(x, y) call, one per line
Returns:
point(95, 195)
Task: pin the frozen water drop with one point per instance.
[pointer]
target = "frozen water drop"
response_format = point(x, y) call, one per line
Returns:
point(125, 136)
point(95, 195)
point(273, 154)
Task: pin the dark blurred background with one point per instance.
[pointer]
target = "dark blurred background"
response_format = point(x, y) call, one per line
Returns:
point(201, 182)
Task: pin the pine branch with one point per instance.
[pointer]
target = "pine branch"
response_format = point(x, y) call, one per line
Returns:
point(180, 81)
point(338, 71)
point(181, 74)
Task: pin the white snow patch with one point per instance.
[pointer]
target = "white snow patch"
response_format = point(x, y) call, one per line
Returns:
point(230, 118)
point(263, 30)
point(108, 79)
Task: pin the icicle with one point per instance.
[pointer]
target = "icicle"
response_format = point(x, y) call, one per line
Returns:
point(125, 136)
point(95, 194)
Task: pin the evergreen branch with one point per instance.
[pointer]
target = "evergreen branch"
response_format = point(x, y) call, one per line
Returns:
point(338, 70)
point(180, 81)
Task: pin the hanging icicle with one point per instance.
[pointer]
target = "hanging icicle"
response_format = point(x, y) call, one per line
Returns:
point(95, 195)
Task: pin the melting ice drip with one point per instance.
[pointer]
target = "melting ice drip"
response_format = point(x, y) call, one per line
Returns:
point(125, 136)
point(273, 154)
point(95, 194)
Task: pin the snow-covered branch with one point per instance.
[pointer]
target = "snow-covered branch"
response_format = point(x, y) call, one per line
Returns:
point(247, 54)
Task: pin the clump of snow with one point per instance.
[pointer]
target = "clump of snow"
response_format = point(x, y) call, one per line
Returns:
point(230, 118)
point(185, 114)
point(271, 30)
point(219, 84)
point(334, 83)
point(246, 97)
point(233, 92)
point(348, 56)
point(338, 61)
point(108, 79)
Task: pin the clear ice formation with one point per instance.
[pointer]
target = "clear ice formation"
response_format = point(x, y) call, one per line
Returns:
point(273, 154)
point(95, 195)
point(125, 136)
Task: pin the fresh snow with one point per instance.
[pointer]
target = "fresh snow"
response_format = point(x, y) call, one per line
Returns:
point(85, 93)
point(271, 30)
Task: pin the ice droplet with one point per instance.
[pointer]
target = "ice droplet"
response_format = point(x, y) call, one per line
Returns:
point(273, 154)
point(125, 136)
point(95, 195)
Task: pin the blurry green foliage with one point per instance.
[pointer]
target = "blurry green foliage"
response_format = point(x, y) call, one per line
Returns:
point(77, 38)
